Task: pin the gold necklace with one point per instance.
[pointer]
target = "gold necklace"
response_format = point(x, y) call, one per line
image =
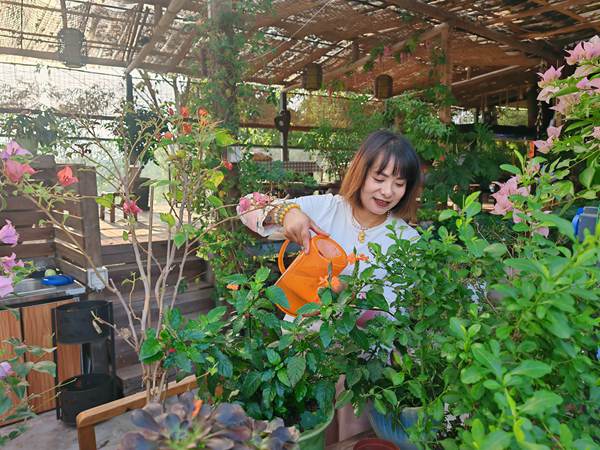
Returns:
point(362, 230)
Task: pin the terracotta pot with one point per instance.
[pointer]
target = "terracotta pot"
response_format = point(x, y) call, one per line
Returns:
point(374, 444)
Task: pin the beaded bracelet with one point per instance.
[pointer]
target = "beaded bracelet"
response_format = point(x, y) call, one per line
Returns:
point(282, 211)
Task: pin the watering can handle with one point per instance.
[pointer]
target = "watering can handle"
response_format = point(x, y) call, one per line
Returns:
point(281, 254)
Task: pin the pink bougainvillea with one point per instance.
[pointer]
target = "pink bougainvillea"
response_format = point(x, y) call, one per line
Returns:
point(8, 262)
point(13, 149)
point(511, 187)
point(6, 286)
point(8, 234)
point(65, 176)
point(14, 170)
point(131, 207)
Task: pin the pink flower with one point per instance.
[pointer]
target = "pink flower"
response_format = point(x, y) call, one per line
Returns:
point(65, 176)
point(584, 84)
point(543, 146)
point(595, 84)
point(503, 203)
point(244, 205)
point(5, 369)
point(6, 286)
point(554, 132)
point(130, 207)
point(15, 170)
point(547, 93)
point(575, 55)
point(549, 76)
point(544, 231)
point(8, 262)
point(584, 70)
point(592, 47)
point(13, 149)
point(566, 103)
point(596, 133)
point(8, 234)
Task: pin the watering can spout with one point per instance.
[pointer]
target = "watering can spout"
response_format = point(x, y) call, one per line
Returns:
point(300, 281)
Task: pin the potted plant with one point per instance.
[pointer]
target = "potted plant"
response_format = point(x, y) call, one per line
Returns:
point(190, 423)
point(271, 367)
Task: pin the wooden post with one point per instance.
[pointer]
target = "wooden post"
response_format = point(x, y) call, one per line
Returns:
point(532, 107)
point(446, 73)
point(89, 212)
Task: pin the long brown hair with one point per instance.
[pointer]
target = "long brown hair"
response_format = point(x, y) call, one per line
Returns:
point(390, 146)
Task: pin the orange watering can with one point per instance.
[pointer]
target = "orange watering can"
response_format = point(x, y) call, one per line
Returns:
point(300, 281)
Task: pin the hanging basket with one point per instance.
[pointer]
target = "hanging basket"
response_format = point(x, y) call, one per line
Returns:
point(72, 48)
point(383, 86)
point(312, 77)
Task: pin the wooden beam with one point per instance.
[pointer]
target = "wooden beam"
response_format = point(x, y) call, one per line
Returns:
point(361, 61)
point(463, 84)
point(474, 28)
point(282, 11)
point(53, 56)
point(536, 11)
point(565, 30)
point(163, 25)
point(564, 10)
point(63, 11)
point(313, 56)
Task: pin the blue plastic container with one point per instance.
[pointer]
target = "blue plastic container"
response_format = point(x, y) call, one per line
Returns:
point(387, 428)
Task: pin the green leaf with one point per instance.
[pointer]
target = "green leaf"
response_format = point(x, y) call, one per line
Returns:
point(215, 201)
point(471, 375)
point(106, 200)
point(379, 406)
point(496, 250)
point(446, 214)
point(277, 296)
point(397, 378)
point(457, 328)
point(179, 239)
point(563, 225)
point(223, 138)
point(125, 235)
point(224, 365)
point(487, 359)
point(214, 179)
point(295, 369)
point(390, 396)
point(309, 308)
point(326, 334)
point(532, 369)
point(216, 313)
point(46, 367)
point(151, 349)
point(262, 274)
point(344, 399)
point(273, 356)
point(587, 175)
point(541, 402)
point(511, 169)
point(251, 383)
point(168, 219)
point(497, 440)
point(473, 209)
point(283, 377)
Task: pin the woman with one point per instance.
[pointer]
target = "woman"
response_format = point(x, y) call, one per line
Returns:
point(379, 188)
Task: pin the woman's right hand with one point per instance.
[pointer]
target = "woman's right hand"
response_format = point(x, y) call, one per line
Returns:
point(297, 226)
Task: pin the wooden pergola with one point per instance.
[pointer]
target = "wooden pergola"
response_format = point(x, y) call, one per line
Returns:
point(492, 48)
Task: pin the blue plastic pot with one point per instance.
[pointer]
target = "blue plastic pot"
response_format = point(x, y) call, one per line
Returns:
point(386, 427)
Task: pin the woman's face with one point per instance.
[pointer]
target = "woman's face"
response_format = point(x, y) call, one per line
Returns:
point(382, 191)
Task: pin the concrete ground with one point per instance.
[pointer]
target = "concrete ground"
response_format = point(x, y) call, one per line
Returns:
point(44, 432)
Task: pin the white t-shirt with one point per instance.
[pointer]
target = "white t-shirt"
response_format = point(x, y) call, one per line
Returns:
point(333, 214)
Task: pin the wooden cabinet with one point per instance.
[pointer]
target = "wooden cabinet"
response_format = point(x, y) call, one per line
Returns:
point(35, 328)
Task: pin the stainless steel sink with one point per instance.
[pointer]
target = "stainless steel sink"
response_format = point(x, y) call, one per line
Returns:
point(32, 286)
